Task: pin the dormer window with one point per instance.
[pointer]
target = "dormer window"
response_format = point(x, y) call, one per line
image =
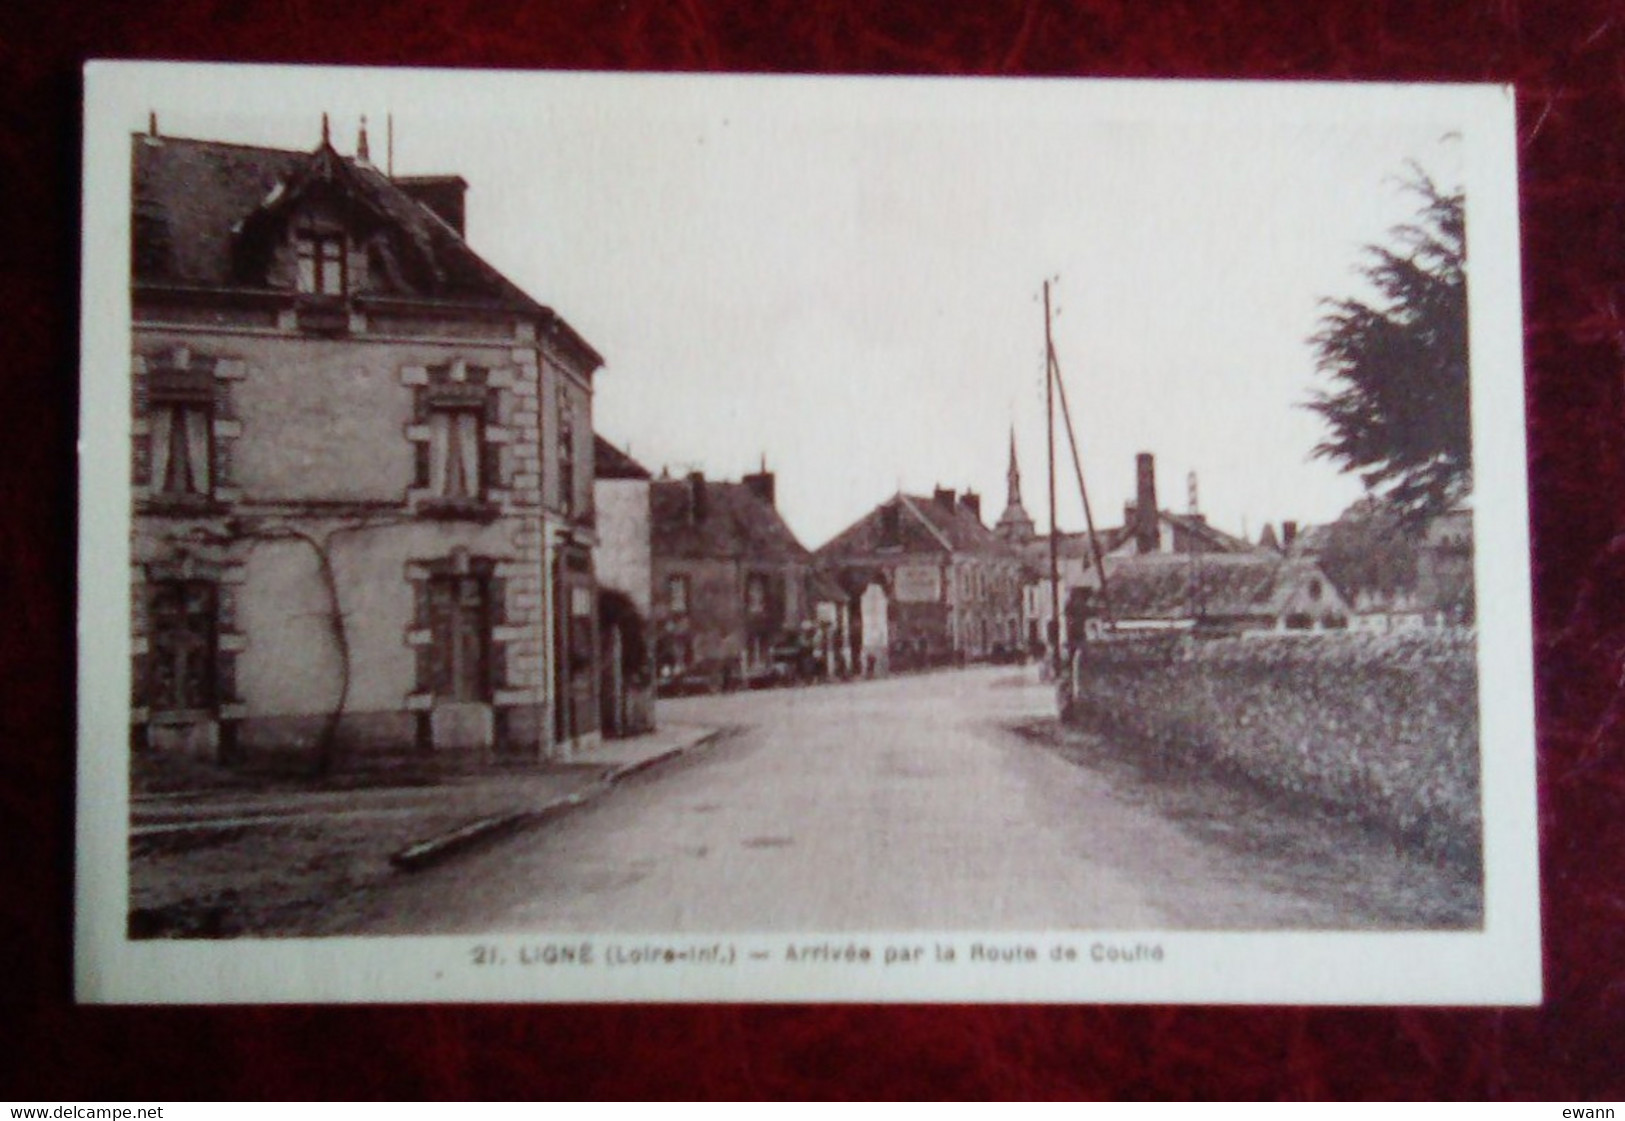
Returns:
point(321, 263)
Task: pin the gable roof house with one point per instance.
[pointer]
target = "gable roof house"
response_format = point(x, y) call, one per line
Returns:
point(1223, 592)
point(362, 471)
point(730, 578)
point(1397, 576)
point(951, 587)
point(1147, 549)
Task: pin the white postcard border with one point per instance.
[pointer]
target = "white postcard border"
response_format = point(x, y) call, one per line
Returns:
point(1499, 965)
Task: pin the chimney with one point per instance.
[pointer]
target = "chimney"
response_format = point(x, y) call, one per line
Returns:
point(971, 503)
point(696, 497)
point(1289, 534)
point(1145, 503)
point(442, 194)
point(761, 485)
point(944, 497)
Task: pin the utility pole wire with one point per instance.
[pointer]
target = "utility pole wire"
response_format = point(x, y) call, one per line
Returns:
point(1077, 465)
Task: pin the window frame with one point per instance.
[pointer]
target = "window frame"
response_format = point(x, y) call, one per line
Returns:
point(456, 438)
point(454, 677)
point(456, 432)
point(163, 626)
point(565, 456)
point(678, 594)
point(179, 412)
point(325, 253)
point(182, 432)
point(756, 597)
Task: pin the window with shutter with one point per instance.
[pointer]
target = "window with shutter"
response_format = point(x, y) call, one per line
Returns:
point(321, 264)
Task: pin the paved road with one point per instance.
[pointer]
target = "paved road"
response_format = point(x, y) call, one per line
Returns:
point(896, 804)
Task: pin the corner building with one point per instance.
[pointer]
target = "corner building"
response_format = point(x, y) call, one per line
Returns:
point(362, 472)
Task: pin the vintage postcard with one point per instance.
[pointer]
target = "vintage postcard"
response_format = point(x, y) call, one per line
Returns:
point(629, 537)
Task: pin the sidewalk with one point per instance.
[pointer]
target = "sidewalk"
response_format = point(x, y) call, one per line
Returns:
point(233, 861)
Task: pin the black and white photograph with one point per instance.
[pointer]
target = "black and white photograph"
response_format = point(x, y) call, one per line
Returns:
point(669, 537)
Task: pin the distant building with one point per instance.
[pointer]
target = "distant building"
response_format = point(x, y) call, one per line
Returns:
point(931, 578)
point(1146, 536)
point(1397, 577)
point(1223, 592)
point(731, 582)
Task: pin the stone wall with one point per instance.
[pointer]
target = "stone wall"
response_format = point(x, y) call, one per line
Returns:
point(1384, 727)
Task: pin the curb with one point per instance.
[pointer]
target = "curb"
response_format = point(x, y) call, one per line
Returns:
point(627, 770)
point(423, 854)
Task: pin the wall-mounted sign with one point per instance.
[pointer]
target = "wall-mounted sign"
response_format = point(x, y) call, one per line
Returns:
point(918, 583)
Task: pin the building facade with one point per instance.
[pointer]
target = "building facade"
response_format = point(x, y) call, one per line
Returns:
point(731, 582)
point(1396, 576)
point(362, 471)
point(1171, 570)
point(948, 587)
point(625, 569)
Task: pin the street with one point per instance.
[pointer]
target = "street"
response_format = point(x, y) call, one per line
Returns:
point(908, 803)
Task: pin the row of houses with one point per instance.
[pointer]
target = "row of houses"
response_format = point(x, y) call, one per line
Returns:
point(921, 580)
point(1161, 570)
point(370, 512)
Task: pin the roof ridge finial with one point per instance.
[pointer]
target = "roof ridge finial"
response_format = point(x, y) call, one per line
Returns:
point(327, 139)
point(361, 152)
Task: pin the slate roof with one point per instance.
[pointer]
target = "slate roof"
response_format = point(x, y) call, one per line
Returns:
point(1216, 539)
point(1069, 546)
point(203, 210)
point(1165, 586)
point(923, 526)
point(610, 462)
point(1111, 538)
point(731, 523)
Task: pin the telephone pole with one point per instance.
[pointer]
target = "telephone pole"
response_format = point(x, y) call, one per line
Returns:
point(1054, 538)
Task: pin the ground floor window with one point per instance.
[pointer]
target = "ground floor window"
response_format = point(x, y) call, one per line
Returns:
point(460, 631)
point(182, 644)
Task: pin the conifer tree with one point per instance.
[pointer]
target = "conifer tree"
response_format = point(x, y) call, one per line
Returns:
point(1397, 362)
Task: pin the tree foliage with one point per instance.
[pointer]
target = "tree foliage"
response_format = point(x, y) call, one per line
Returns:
point(1397, 362)
point(1367, 549)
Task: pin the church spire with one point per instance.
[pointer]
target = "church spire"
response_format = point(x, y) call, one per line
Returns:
point(1015, 524)
point(1013, 476)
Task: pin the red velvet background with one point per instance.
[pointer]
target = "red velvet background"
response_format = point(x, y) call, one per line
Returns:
point(1568, 61)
